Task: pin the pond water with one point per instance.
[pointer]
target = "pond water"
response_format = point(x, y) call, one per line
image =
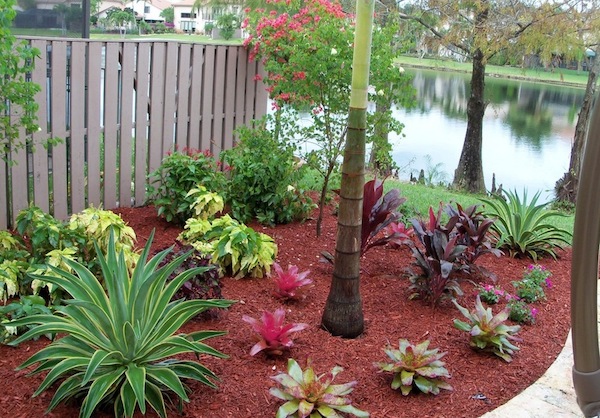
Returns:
point(527, 133)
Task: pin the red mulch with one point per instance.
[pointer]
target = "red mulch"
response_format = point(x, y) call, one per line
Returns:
point(389, 316)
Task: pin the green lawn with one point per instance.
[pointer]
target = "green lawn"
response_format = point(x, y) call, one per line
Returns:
point(558, 76)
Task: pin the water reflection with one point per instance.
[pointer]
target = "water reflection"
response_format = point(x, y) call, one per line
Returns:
point(527, 132)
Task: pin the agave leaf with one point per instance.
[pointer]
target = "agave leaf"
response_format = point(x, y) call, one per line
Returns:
point(98, 390)
point(426, 386)
point(94, 362)
point(126, 401)
point(136, 379)
point(334, 400)
point(294, 370)
point(258, 347)
point(155, 399)
point(66, 366)
point(168, 378)
point(69, 388)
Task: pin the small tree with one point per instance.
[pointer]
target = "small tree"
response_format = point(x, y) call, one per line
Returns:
point(307, 50)
point(227, 24)
point(18, 108)
point(168, 14)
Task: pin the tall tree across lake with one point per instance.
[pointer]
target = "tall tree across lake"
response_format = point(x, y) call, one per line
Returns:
point(477, 31)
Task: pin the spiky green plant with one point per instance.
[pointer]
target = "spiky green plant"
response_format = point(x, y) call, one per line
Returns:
point(414, 366)
point(309, 395)
point(521, 227)
point(489, 332)
point(119, 344)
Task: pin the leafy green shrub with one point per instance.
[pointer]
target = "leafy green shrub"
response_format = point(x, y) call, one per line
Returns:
point(236, 248)
point(119, 343)
point(307, 394)
point(273, 335)
point(521, 227)
point(490, 294)
point(520, 312)
point(414, 366)
point(529, 288)
point(180, 172)
point(206, 204)
point(97, 225)
point(488, 332)
point(17, 60)
point(227, 24)
point(263, 179)
point(25, 306)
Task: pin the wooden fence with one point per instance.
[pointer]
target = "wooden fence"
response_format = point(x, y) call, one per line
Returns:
point(118, 108)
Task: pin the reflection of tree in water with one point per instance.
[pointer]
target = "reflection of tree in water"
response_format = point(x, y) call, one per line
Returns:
point(527, 108)
point(529, 125)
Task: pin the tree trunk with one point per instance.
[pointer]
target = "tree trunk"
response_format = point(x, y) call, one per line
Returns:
point(469, 174)
point(381, 136)
point(566, 187)
point(343, 314)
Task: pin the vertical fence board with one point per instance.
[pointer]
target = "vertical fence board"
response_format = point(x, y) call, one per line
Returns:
point(77, 127)
point(195, 96)
point(229, 106)
point(165, 92)
point(41, 195)
point(94, 128)
point(218, 94)
point(262, 96)
point(126, 123)
point(207, 98)
point(170, 86)
point(18, 177)
point(58, 83)
point(250, 93)
point(142, 81)
point(111, 109)
point(183, 91)
point(157, 82)
point(4, 196)
point(240, 87)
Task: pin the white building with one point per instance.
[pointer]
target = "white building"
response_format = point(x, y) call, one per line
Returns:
point(188, 19)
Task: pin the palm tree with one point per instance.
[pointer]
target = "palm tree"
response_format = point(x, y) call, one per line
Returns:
point(343, 313)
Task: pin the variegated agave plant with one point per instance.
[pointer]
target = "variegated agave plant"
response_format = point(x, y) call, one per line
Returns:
point(309, 395)
point(414, 366)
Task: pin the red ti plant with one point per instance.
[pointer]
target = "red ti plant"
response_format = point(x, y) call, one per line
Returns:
point(287, 283)
point(274, 336)
point(380, 211)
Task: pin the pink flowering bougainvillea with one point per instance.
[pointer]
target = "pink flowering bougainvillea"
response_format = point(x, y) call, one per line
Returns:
point(306, 48)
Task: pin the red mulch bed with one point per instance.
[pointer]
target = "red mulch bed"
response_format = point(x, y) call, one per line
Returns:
point(389, 316)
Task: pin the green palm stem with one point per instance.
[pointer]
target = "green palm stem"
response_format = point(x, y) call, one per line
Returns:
point(343, 313)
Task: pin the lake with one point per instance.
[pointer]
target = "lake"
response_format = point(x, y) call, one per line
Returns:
point(527, 132)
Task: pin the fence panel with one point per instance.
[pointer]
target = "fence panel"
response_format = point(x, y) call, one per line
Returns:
point(119, 107)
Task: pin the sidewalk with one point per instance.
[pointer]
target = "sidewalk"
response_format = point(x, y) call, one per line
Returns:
point(552, 395)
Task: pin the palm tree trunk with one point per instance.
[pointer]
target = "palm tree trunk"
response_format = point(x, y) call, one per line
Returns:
point(343, 314)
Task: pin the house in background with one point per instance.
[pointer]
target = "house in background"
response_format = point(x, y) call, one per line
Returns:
point(193, 20)
point(148, 10)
